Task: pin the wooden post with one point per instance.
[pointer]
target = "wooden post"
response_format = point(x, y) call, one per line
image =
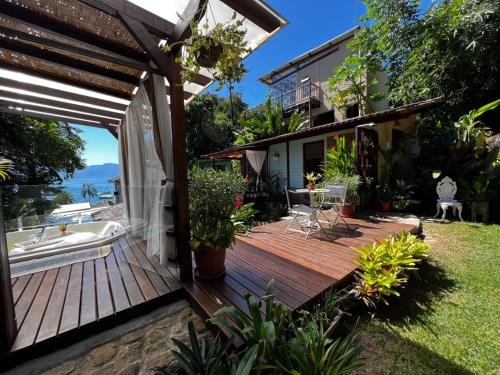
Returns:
point(8, 326)
point(182, 224)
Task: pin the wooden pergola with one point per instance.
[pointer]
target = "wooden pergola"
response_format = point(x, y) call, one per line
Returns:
point(81, 61)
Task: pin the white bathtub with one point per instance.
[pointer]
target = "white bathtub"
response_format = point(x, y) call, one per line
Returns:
point(78, 237)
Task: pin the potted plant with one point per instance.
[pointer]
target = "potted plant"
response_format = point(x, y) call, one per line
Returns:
point(218, 48)
point(352, 181)
point(402, 195)
point(213, 197)
point(312, 180)
point(384, 197)
point(63, 229)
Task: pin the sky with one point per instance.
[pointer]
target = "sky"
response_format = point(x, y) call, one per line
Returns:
point(311, 23)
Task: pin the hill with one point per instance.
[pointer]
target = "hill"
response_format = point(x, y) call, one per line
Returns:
point(101, 172)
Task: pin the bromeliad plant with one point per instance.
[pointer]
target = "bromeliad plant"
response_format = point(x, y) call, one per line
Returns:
point(384, 268)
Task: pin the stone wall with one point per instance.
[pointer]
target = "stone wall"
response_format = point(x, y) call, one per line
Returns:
point(141, 351)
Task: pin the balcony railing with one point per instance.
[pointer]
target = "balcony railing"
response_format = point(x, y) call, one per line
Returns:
point(292, 99)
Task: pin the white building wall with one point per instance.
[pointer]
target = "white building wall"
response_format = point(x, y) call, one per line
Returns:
point(296, 149)
point(278, 166)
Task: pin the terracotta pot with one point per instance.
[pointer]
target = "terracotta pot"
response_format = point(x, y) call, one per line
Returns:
point(385, 206)
point(208, 56)
point(311, 187)
point(349, 209)
point(209, 263)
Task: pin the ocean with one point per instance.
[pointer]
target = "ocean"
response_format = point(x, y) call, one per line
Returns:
point(74, 186)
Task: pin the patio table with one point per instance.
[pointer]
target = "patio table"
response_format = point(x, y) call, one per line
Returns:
point(311, 221)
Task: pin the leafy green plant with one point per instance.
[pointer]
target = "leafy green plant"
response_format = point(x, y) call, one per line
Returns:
point(212, 203)
point(351, 181)
point(311, 352)
point(211, 357)
point(220, 49)
point(243, 218)
point(383, 193)
point(383, 268)
point(340, 158)
point(265, 330)
point(402, 194)
point(5, 165)
point(466, 124)
point(265, 123)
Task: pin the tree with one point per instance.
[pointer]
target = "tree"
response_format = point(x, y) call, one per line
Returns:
point(265, 123)
point(88, 191)
point(43, 154)
point(63, 197)
point(210, 124)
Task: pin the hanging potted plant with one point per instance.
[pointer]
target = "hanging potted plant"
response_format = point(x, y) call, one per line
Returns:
point(213, 197)
point(218, 48)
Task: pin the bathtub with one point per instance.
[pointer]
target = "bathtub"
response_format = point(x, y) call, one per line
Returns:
point(77, 237)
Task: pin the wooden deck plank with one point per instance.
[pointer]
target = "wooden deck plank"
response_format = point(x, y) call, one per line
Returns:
point(159, 284)
point(143, 281)
point(19, 287)
point(29, 329)
point(71, 311)
point(88, 308)
point(120, 298)
point(104, 301)
point(52, 316)
point(131, 287)
point(24, 302)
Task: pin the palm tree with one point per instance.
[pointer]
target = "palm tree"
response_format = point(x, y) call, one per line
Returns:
point(88, 191)
point(5, 165)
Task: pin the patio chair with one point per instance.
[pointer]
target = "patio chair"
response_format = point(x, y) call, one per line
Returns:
point(334, 199)
point(304, 216)
point(446, 190)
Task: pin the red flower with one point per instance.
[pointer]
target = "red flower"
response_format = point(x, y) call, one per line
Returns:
point(334, 149)
point(238, 203)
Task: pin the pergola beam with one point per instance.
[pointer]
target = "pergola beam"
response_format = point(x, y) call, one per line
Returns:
point(251, 10)
point(62, 112)
point(57, 93)
point(113, 59)
point(53, 117)
point(65, 80)
point(60, 59)
point(25, 15)
point(50, 102)
point(152, 22)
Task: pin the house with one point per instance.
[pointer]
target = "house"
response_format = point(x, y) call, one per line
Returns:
point(302, 85)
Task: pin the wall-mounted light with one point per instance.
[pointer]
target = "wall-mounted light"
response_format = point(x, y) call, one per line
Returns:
point(276, 156)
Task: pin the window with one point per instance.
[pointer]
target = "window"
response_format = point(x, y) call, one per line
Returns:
point(283, 86)
point(324, 118)
point(352, 111)
point(314, 154)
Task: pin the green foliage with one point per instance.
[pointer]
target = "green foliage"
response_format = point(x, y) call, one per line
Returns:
point(43, 153)
point(228, 39)
point(212, 203)
point(402, 194)
point(383, 268)
point(244, 218)
point(466, 125)
point(88, 191)
point(5, 165)
point(285, 346)
point(209, 121)
point(266, 123)
point(63, 197)
point(211, 357)
point(351, 181)
point(340, 159)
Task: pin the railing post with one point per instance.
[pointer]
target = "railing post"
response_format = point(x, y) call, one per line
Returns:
point(8, 326)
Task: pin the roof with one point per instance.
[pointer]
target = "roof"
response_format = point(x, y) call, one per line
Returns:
point(377, 117)
point(81, 61)
point(266, 78)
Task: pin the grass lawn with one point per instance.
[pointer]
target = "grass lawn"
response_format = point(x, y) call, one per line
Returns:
point(449, 321)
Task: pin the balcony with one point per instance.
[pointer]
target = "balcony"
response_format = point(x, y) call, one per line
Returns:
point(304, 97)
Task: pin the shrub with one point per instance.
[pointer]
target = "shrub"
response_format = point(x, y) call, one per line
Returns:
point(212, 203)
point(351, 181)
point(340, 159)
point(383, 268)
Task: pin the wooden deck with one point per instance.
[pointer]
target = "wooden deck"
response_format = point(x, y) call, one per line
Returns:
point(63, 300)
point(302, 269)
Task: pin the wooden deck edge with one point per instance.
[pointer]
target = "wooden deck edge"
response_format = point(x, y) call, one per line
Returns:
point(12, 359)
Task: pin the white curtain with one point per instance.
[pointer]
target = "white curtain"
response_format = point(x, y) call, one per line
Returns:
point(147, 173)
point(256, 160)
